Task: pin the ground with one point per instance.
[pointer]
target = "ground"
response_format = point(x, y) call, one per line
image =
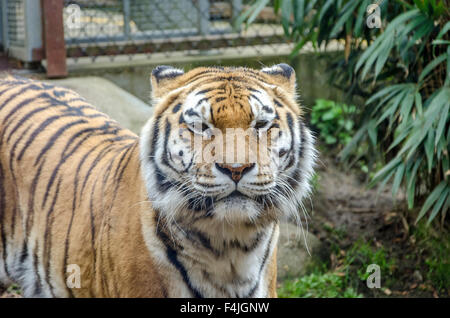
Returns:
point(358, 227)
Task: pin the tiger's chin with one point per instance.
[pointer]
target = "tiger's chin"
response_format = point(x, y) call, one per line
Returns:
point(237, 207)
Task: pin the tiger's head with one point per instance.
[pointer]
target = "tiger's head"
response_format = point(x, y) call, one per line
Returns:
point(226, 144)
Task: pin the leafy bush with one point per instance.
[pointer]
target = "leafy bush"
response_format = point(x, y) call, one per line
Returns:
point(403, 70)
point(333, 120)
point(362, 254)
point(316, 285)
point(434, 250)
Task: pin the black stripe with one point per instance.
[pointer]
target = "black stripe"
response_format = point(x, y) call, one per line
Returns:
point(263, 263)
point(37, 131)
point(219, 99)
point(204, 91)
point(106, 150)
point(155, 137)
point(191, 113)
point(173, 258)
point(198, 237)
point(2, 217)
point(55, 136)
point(277, 103)
point(22, 121)
point(31, 86)
point(176, 108)
point(48, 237)
point(302, 139)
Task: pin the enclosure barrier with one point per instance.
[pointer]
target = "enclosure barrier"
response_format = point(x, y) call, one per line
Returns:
point(131, 28)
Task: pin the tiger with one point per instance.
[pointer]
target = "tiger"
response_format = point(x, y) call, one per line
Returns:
point(89, 209)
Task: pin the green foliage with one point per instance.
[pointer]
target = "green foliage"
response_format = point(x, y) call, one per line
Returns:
point(315, 182)
point(316, 285)
point(14, 289)
point(435, 249)
point(334, 121)
point(342, 281)
point(362, 254)
point(403, 70)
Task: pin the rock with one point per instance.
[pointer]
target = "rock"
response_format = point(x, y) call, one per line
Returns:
point(128, 110)
point(292, 254)
point(417, 276)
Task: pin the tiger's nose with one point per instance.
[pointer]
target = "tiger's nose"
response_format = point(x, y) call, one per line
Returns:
point(235, 171)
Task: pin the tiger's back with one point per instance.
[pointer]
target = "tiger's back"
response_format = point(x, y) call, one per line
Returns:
point(62, 168)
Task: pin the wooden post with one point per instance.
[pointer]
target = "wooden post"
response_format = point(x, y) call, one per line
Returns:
point(55, 48)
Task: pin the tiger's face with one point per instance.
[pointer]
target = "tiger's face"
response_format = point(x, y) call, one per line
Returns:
point(227, 144)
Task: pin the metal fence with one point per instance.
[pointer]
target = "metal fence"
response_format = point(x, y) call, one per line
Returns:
point(167, 27)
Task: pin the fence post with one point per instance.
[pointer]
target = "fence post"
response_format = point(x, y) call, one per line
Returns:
point(4, 26)
point(55, 48)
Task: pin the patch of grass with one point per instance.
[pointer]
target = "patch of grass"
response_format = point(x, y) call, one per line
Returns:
point(14, 289)
point(335, 233)
point(434, 248)
point(318, 285)
point(345, 275)
point(362, 254)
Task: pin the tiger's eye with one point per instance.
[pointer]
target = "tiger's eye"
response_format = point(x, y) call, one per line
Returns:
point(261, 124)
point(282, 152)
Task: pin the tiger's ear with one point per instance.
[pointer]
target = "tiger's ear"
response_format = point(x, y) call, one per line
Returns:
point(164, 79)
point(283, 75)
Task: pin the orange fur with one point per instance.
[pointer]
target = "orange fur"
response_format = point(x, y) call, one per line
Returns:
point(72, 190)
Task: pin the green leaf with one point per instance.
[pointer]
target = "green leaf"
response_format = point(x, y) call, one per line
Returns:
point(390, 166)
point(444, 30)
point(360, 21)
point(418, 103)
point(393, 89)
point(385, 51)
point(431, 66)
point(411, 186)
point(438, 204)
point(372, 131)
point(441, 125)
point(438, 190)
point(286, 12)
point(353, 143)
point(256, 8)
point(347, 11)
point(298, 47)
point(440, 42)
point(398, 178)
point(299, 12)
point(406, 105)
point(325, 8)
point(429, 149)
point(391, 29)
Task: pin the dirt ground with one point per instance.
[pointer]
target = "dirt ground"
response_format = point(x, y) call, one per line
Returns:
point(343, 203)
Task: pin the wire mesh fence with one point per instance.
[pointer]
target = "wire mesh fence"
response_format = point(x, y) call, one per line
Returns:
point(150, 27)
